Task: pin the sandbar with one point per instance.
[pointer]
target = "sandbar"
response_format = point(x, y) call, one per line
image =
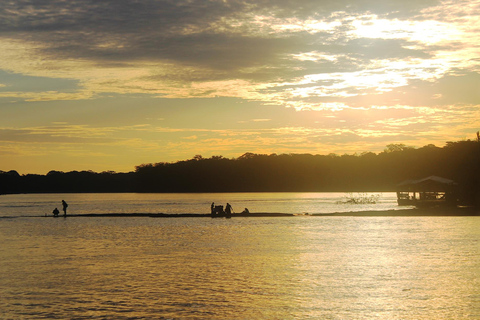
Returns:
point(415, 212)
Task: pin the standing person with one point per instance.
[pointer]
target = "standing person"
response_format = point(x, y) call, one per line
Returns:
point(212, 208)
point(228, 209)
point(65, 205)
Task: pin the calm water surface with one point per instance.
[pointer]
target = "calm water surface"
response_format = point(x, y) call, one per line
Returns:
point(298, 267)
point(174, 203)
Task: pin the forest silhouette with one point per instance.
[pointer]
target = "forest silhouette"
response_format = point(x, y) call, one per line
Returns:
point(459, 161)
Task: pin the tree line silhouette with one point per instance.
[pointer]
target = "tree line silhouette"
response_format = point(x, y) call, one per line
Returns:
point(459, 161)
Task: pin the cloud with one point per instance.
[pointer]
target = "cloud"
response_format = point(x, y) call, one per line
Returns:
point(324, 73)
point(55, 134)
point(233, 48)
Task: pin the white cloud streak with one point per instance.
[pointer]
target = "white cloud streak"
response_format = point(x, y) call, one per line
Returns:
point(349, 63)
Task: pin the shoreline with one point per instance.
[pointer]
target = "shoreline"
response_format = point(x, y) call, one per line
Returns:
point(414, 212)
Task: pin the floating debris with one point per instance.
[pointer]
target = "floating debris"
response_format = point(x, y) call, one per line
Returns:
point(360, 198)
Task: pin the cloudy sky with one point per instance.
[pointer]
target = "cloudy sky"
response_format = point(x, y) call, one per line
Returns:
point(111, 84)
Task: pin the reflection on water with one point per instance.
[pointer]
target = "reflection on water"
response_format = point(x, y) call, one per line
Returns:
point(275, 268)
point(174, 203)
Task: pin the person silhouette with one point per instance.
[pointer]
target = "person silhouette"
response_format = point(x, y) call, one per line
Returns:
point(55, 212)
point(65, 205)
point(212, 208)
point(228, 209)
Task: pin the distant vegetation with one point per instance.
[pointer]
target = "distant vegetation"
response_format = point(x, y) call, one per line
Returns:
point(459, 161)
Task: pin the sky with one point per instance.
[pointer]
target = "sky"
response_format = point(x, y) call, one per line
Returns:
point(106, 85)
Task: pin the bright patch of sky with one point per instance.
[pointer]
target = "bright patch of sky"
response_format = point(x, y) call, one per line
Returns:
point(109, 85)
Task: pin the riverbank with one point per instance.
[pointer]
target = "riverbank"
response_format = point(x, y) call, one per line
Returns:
point(176, 215)
point(415, 212)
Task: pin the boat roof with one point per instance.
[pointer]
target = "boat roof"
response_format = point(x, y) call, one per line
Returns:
point(430, 178)
point(431, 183)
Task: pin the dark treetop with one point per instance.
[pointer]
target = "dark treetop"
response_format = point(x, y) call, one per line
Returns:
point(459, 161)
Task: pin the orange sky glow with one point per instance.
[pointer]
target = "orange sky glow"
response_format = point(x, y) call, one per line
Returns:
point(108, 85)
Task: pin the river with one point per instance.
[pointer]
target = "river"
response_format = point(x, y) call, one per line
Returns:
point(298, 267)
point(175, 203)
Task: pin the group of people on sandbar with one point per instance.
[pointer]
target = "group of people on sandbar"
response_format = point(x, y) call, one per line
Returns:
point(218, 210)
point(65, 206)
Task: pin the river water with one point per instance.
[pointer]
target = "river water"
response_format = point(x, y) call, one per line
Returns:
point(299, 267)
point(174, 203)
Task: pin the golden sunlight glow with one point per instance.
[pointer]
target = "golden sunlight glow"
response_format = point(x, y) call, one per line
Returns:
point(315, 56)
point(274, 24)
point(235, 80)
point(427, 32)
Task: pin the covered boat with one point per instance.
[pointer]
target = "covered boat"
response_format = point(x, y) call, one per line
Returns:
point(429, 191)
